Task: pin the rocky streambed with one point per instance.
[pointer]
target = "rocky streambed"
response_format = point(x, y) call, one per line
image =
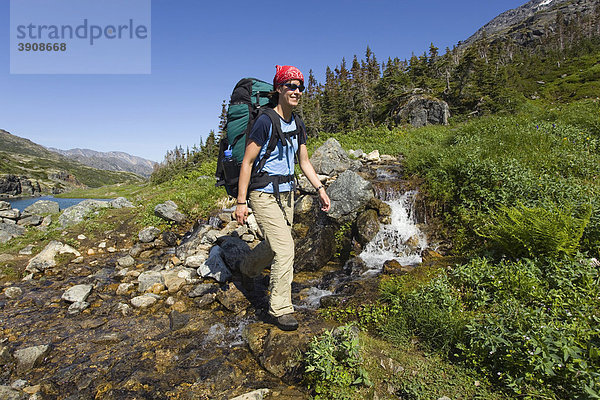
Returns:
point(163, 315)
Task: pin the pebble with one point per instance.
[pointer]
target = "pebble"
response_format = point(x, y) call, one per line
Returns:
point(18, 384)
point(81, 237)
point(27, 250)
point(13, 292)
point(77, 260)
point(124, 288)
point(91, 252)
point(102, 245)
point(126, 261)
point(77, 293)
point(143, 301)
point(77, 307)
point(123, 308)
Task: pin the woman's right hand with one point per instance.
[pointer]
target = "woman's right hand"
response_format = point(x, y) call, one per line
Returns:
point(241, 213)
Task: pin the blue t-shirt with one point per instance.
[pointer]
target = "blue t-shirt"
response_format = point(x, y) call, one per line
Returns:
point(281, 160)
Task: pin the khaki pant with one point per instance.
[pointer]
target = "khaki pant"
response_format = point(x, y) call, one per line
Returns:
point(277, 249)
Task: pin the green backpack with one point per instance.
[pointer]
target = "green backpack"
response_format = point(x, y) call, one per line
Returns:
point(249, 99)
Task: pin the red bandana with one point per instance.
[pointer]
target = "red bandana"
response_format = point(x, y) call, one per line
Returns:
point(286, 73)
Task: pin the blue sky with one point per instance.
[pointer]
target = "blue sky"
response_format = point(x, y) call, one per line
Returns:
point(201, 49)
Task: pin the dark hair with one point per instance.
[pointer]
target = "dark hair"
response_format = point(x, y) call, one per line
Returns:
point(273, 98)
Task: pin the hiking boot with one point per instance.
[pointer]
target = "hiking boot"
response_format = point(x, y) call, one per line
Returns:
point(287, 322)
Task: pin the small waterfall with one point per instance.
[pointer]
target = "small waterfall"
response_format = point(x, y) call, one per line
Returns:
point(401, 240)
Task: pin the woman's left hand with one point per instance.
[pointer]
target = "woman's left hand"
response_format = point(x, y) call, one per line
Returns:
point(324, 199)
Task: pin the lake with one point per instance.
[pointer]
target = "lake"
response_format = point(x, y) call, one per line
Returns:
point(24, 202)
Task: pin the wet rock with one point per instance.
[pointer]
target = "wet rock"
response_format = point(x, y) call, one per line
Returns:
point(30, 357)
point(355, 266)
point(232, 298)
point(4, 205)
point(235, 251)
point(205, 300)
point(203, 289)
point(276, 350)
point(13, 292)
point(174, 279)
point(5, 356)
point(8, 393)
point(367, 226)
point(317, 246)
point(393, 267)
point(349, 194)
point(19, 384)
point(9, 231)
point(168, 211)
point(144, 301)
point(75, 214)
point(178, 320)
point(215, 267)
point(30, 220)
point(384, 211)
point(330, 158)
point(195, 261)
point(148, 234)
point(77, 307)
point(121, 202)
point(191, 242)
point(147, 279)
point(77, 293)
point(124, 288)
point(429, 254)
point(126, 262)
point(124, 309)
point(259, 394)
point(332, 301)
point(45, 259)
point(42, 207)
point(169, 238)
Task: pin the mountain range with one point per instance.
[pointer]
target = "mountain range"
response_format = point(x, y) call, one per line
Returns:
point(110, 161)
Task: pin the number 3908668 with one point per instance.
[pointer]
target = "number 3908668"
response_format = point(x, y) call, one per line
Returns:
point(42, 46)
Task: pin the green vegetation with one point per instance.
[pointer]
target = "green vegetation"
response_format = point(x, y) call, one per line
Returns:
point(334, 364)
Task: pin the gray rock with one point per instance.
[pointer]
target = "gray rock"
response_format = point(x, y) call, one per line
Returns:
point(75, 214)
point(43, 207)
point(374, 156)
point(45, 259)
point(123, 308)
point(30, 357)
point(195, 261)
point(148, 234)
point(349, 194)
point(174, 279)
point(420, 110)
point(148, 279)
point(235, 251)
point(330, 158)
point(169, 238)
point(123, 288)
point(178, 320)
point(259, 394)
point(19, 384)
point(144, 301)
point(205, 300)
point(215, 266)
point(168, 211)
point(4, 205)
point(13, 292)
point(77, 307)
point(8, 393)
point(126, 262)
point(46, 221)
point(13, 214)
point(121, 202)
point(203, 289)
point(9, 231)
point(77, 293)
point(30, 220)
point(191, 241)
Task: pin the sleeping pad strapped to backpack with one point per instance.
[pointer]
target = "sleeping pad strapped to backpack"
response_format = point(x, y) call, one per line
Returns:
point(249, 99)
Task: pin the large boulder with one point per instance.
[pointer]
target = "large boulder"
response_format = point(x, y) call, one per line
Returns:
point(45, 258)
point(330, 158)
point(9, 231)
point(367, 226)
point(168, 211)
point(121, 202)
point(13, 185)
point(420, 110)
point(75, 214)
point(349, 194)
point(42, 207)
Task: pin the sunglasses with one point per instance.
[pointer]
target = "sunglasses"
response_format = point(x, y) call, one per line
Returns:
point(293, 87)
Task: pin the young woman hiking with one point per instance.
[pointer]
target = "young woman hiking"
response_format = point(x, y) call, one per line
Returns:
point(273, 204)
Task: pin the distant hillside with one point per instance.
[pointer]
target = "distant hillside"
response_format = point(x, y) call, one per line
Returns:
point(110, 161)
point(531, 24)
point(53, 172)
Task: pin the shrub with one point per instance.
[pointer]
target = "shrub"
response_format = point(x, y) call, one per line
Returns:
point(334, 364)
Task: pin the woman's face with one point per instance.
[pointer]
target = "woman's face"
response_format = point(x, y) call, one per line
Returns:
point(288, 96)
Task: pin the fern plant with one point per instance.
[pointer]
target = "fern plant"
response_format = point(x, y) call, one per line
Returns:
point(549, 231)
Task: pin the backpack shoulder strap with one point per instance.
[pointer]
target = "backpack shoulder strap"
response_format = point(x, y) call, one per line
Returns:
point(276, 135)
